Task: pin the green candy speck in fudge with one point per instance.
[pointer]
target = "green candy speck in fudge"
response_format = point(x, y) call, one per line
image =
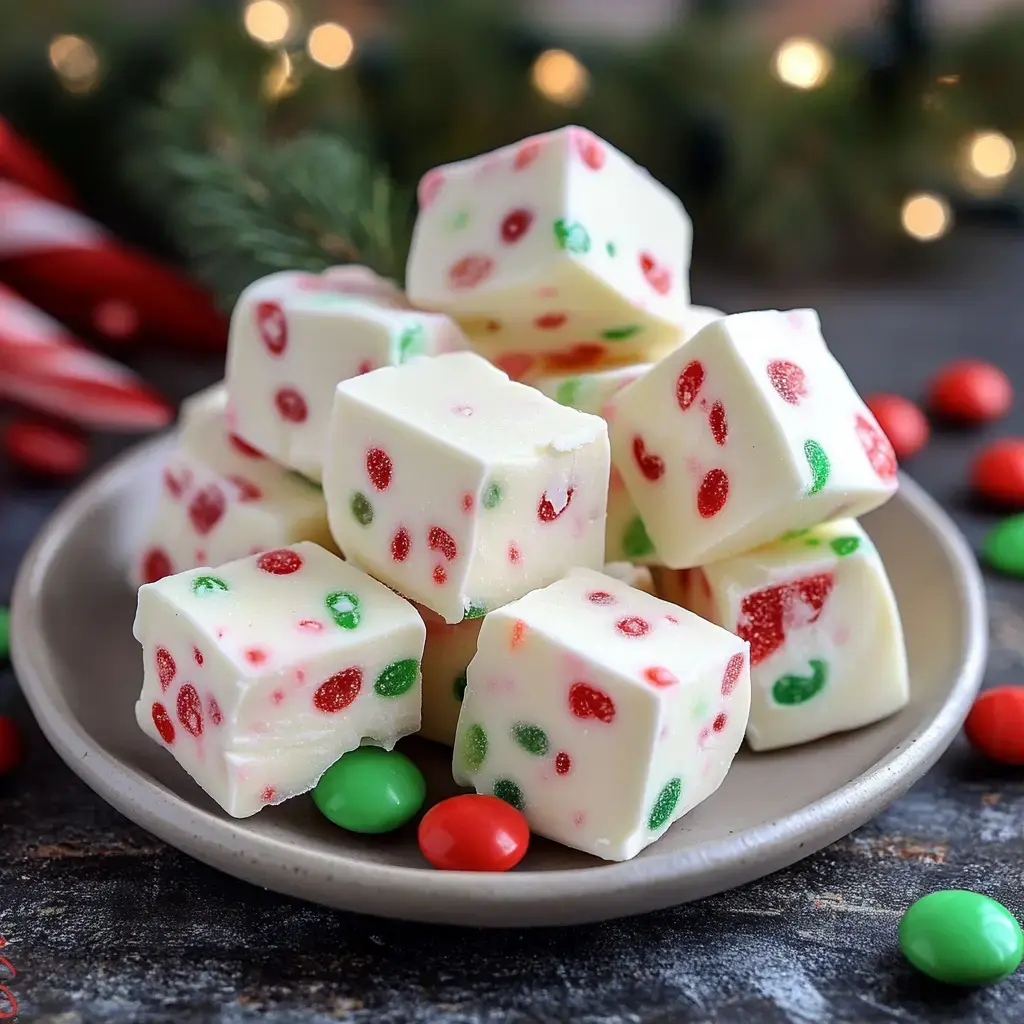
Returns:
point(362, 510)
point(665, 804)
point(635, 541)
point(493, 495)
point(459, 686)
point(844, 546)
point(203, 585)
point(568, 392)
point(398, 678)
point(572, 237)
point(794, 689)
point(509, 791)
point(620, 333)
point(821, 468)
point(532, 738)
point(474, 610)
point(793, 534)
point(609, 247)
point(345, 608)
point(474, 747)
point(412, 342)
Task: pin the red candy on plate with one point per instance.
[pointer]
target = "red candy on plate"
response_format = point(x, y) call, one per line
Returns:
point(997, 474)
point(970, 391)
point(43, 448)
point(902, 421)
point(474, 833)
point(10, 745)
point(995, 725)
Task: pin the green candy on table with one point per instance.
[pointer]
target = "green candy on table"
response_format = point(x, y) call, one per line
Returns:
point(1004, 546)
point(961, 938)
point(370, 790)
point(5, 633)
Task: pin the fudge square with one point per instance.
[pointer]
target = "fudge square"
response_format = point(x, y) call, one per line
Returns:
point(602, 712)
point(220, 499)
point(749, 430)
point(260, 674)
point(826, 643)
point(558, 244)
point(461, 489)
point(294, 336)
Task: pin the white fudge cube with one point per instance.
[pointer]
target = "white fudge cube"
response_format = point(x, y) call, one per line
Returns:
point(220, 499)
point(261, 673)
point(749, 430)
point(826, 642)
point(294, 336)
point(461, 489)
point(559, 244)
point(602, 712)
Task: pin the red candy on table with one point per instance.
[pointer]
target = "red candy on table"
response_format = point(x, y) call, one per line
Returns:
point(474, 833)
point(997, 474)
point(902, 421)
point(10, 745)
point(43, 448)
point(995, 725)
point(970, 391)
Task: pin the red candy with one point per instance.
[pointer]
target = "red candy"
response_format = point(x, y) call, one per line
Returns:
point(190, 709)
point(42, 448)
point(291, 405)
point(165, 667)
point(10, 745)
point(550, 321)
point(473, 833)
point(689, 383)
point(177, 485)
point(765, 615)
point(546, 510)
point(718, 423)
point(732, 674)
point(163, 723)
point(633, 625)
point(246, 489)
point(441, 540)
point(970, 391)
point(339, 691)
point(998, 473)
point(206, 509)
point(877, 448)
point(515, 225)
point(650, 465)
point(378, 468)
point(600, 597)
point(713, 493)
point(470, 271)
point(658, 277)
point(156, 564)
point(282, 562)
point(272, 327)
point(788, 379)
point(901, 421)
point(563, 763)
point(586, 701)
point(400, 544)
point(590, 150)
point(995, 725)
point(526, 154)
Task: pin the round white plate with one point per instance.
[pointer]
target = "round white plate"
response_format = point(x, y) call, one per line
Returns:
point(81, 672)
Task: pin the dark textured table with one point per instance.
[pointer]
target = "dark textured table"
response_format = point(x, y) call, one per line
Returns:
point(105, 923)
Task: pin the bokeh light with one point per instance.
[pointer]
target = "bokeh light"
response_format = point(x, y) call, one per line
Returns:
point(330, 45)
point(281, 78)
point(75, 61)
point(926, 216)
point(267, 21)
point(802, 63)
point(990, 154)
point(560, 77)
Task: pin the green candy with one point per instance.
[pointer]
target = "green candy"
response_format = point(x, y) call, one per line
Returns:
point(793, 534)
point(474, 747)
point(571, 237)
point(493, 495)
point(474, 610)
point(821, 468)
point(345, 608)
point(5, 632)
point(961, 938)
point(609, 247)
point(635, 541)
point(203, 585)
point(412, 342)
point(532, 738)
point(568, 392)
point(1004, 546)
point(398, 678)
point(370, 790)
point(459, 220)
point(362, 510)
point(459, 686)
point(791, 690)
point(509, 791)
point(844, 546)
point(620, 333)
point(665, 804)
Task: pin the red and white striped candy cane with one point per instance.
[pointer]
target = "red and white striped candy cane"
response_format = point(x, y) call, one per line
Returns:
point(68, 265)
point(43, 366)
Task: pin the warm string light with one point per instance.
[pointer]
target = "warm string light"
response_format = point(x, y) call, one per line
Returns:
point(802, 63)
point(267, 21)
point(75, 62)
point(330, 45)
point(558, 76)
point(990, 155)
point(926, 216)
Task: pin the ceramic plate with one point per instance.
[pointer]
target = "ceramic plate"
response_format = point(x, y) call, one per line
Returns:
point(80, 668)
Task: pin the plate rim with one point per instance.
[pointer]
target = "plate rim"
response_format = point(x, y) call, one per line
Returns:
point(513, 898)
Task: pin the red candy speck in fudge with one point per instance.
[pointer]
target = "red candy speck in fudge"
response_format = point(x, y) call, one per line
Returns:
point(190, 709)
point(732, 674)
point(247, 490)
point(165, 667)
point(244, 448)
point(713, 493)
point(526, 154)
point(206, 508)
point(255, 655)
point(563, 763)
point(788, 379)
point(440, 575)
point(198, 655)
point(590, 150)
point(719, 723)
point(156, 564)
point(577, 357)
point(470, 271)
point(429, 188)
point(379, 468)
point(546, 511)
point(291, 405)
point(689, 383)
point(586, 701)
point(467, 501)
point(216, 716)
point(277, 697)
point(515, 225)
point(633, 625)
point(877, 448)
point(267, 794)
point(600, 597)
point(281, 562)
point(514, 554)
point(400, 544)
point(338, 692)
point(311, 625)
point(658, 276)
point(364, 367)
point(163, 723)
point(657, 675)
point(439, 539)
point(718, 423)
point(651, 466)
point(518, 633)
point(177, 483)
point(767, 615)
point(550, 321)
point(272, 326)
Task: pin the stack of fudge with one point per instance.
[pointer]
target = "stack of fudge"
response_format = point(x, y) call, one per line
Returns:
point(540, 509)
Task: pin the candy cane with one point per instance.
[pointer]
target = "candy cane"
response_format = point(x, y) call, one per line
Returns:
point(21, 163)
point(68, 265)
